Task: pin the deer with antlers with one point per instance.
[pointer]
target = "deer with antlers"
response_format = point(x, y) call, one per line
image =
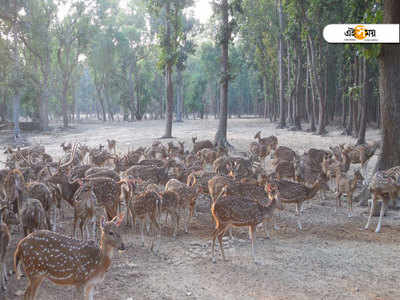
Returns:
point(67, 261)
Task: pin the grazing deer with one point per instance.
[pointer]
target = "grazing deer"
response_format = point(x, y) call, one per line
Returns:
point(67, 261)
point(283, 153)
point(32, 215)
point(345, 185)
point(237, 211)
point(112, 146)
point(197, 146)
point(382, 186)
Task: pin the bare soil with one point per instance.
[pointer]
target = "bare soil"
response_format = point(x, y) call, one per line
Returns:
point(331, 258)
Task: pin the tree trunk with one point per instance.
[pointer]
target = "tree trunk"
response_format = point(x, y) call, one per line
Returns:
point(312, 88)
point(265, 95)
point(220, 137)
point(64, 103)
point(319, 88)
point(389, 65)
point(179, 95)
point(363, 102)
point(355, 104)
point(282, 121)
point(170, 104)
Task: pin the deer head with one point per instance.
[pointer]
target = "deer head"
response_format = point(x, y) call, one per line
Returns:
point(111, 232)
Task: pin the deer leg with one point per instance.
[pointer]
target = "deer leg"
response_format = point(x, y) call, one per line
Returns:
point(5, 271)
point(81, 225)
point(191, 212)
point(298, 207)
point(350, 204)
point(88, 292)
point(157, 234)
point(75, 221)
point(371, 211)
point(378, 228)
point(142, 220)
point(3, 277)
point(34, 284)
point(252, 232)
point(175, 220)
point(338, 195)
point(274, 217)
point(266, 224)
point(215, 233)
point(220, 235)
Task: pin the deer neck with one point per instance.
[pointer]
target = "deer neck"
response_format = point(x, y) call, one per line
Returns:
point(106, 254)
point(270, 207)
point(314, 189)
point(353, 183)
point(345, 162)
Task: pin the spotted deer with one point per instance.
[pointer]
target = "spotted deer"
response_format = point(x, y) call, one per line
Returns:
point(6, 218)
point(384, 186)
point(233, 210)
point(67, 261)
point(112, 146)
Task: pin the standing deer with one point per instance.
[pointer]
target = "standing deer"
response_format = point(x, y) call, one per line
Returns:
point(112, 146)
point(67, 261)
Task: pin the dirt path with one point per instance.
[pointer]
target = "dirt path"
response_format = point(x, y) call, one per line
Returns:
point(332, 258)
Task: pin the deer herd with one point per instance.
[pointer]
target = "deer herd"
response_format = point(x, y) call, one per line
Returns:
point(103, 187)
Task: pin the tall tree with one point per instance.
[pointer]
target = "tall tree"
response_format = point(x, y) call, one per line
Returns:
point(227, 23)
point(390, 93)
point(72, 35)
point(169, 31)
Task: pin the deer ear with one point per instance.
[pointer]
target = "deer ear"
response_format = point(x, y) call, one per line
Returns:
point(118, 219)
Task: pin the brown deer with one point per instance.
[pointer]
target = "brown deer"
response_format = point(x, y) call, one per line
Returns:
point(382, 186)
point(6, 218)
point(67, 261)
point(345, 185)
point(236, 211)
point(283, 153)
point(293, 192)
point(265, 146)
point(361, 154)
point(147, 205)
point(187, 198)
point(84, 211)
point(41, 192)
point(197, 146)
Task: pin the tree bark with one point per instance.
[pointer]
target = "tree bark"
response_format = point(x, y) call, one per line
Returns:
point(220, 137)
point(282, 121)
point(389, 65)
point(179, 95)
point(168, 75)
point(363, 102)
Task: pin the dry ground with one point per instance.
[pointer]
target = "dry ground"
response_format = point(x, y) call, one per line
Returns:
point(332, 258)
